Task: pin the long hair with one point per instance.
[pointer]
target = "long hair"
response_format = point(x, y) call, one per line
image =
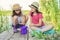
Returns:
point(14, 13)
point(37, 11)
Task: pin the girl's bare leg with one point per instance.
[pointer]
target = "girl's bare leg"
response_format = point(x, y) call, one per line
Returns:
point(35, 28)
point(46, 28)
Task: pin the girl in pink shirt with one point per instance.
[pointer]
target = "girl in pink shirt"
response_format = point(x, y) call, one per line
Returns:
point(36, 19)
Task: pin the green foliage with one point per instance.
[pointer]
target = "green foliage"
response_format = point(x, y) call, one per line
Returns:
point(9, 13)
point(5, 13)
point(50, 10)
point(55, 36)
point(4, 23)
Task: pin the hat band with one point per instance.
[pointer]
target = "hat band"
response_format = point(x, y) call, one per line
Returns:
point(34, 6)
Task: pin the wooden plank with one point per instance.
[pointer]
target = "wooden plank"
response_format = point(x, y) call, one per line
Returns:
point(6, 35)
point(18, 36)
point(9, 35)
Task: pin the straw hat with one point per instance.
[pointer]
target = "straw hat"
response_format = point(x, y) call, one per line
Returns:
point(16, 7)
point(34, 5)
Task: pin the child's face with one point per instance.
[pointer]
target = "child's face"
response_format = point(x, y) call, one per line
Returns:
point(33, 9)
point(17, 11)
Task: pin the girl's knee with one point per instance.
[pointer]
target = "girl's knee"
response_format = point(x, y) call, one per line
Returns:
point(50, 26)
point(32, 28)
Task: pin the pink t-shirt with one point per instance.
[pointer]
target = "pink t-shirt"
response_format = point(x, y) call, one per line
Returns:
point(35, 18)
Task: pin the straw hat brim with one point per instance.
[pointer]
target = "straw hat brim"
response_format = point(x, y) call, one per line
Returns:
point(32, 6)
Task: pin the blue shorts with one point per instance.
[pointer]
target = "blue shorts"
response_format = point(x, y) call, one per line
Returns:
point(18, 26)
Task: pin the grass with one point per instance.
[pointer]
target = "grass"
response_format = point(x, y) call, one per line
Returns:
point(9, 12)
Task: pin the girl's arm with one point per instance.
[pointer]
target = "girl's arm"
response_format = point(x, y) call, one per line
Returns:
point(30, 20)
point(26, 17)
point(14, 19)
point(31, 24)
point(23, 20)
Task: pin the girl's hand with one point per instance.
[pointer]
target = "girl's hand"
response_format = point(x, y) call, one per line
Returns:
point(31, 24)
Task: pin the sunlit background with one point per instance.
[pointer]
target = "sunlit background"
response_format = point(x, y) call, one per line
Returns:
point(7, 4)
